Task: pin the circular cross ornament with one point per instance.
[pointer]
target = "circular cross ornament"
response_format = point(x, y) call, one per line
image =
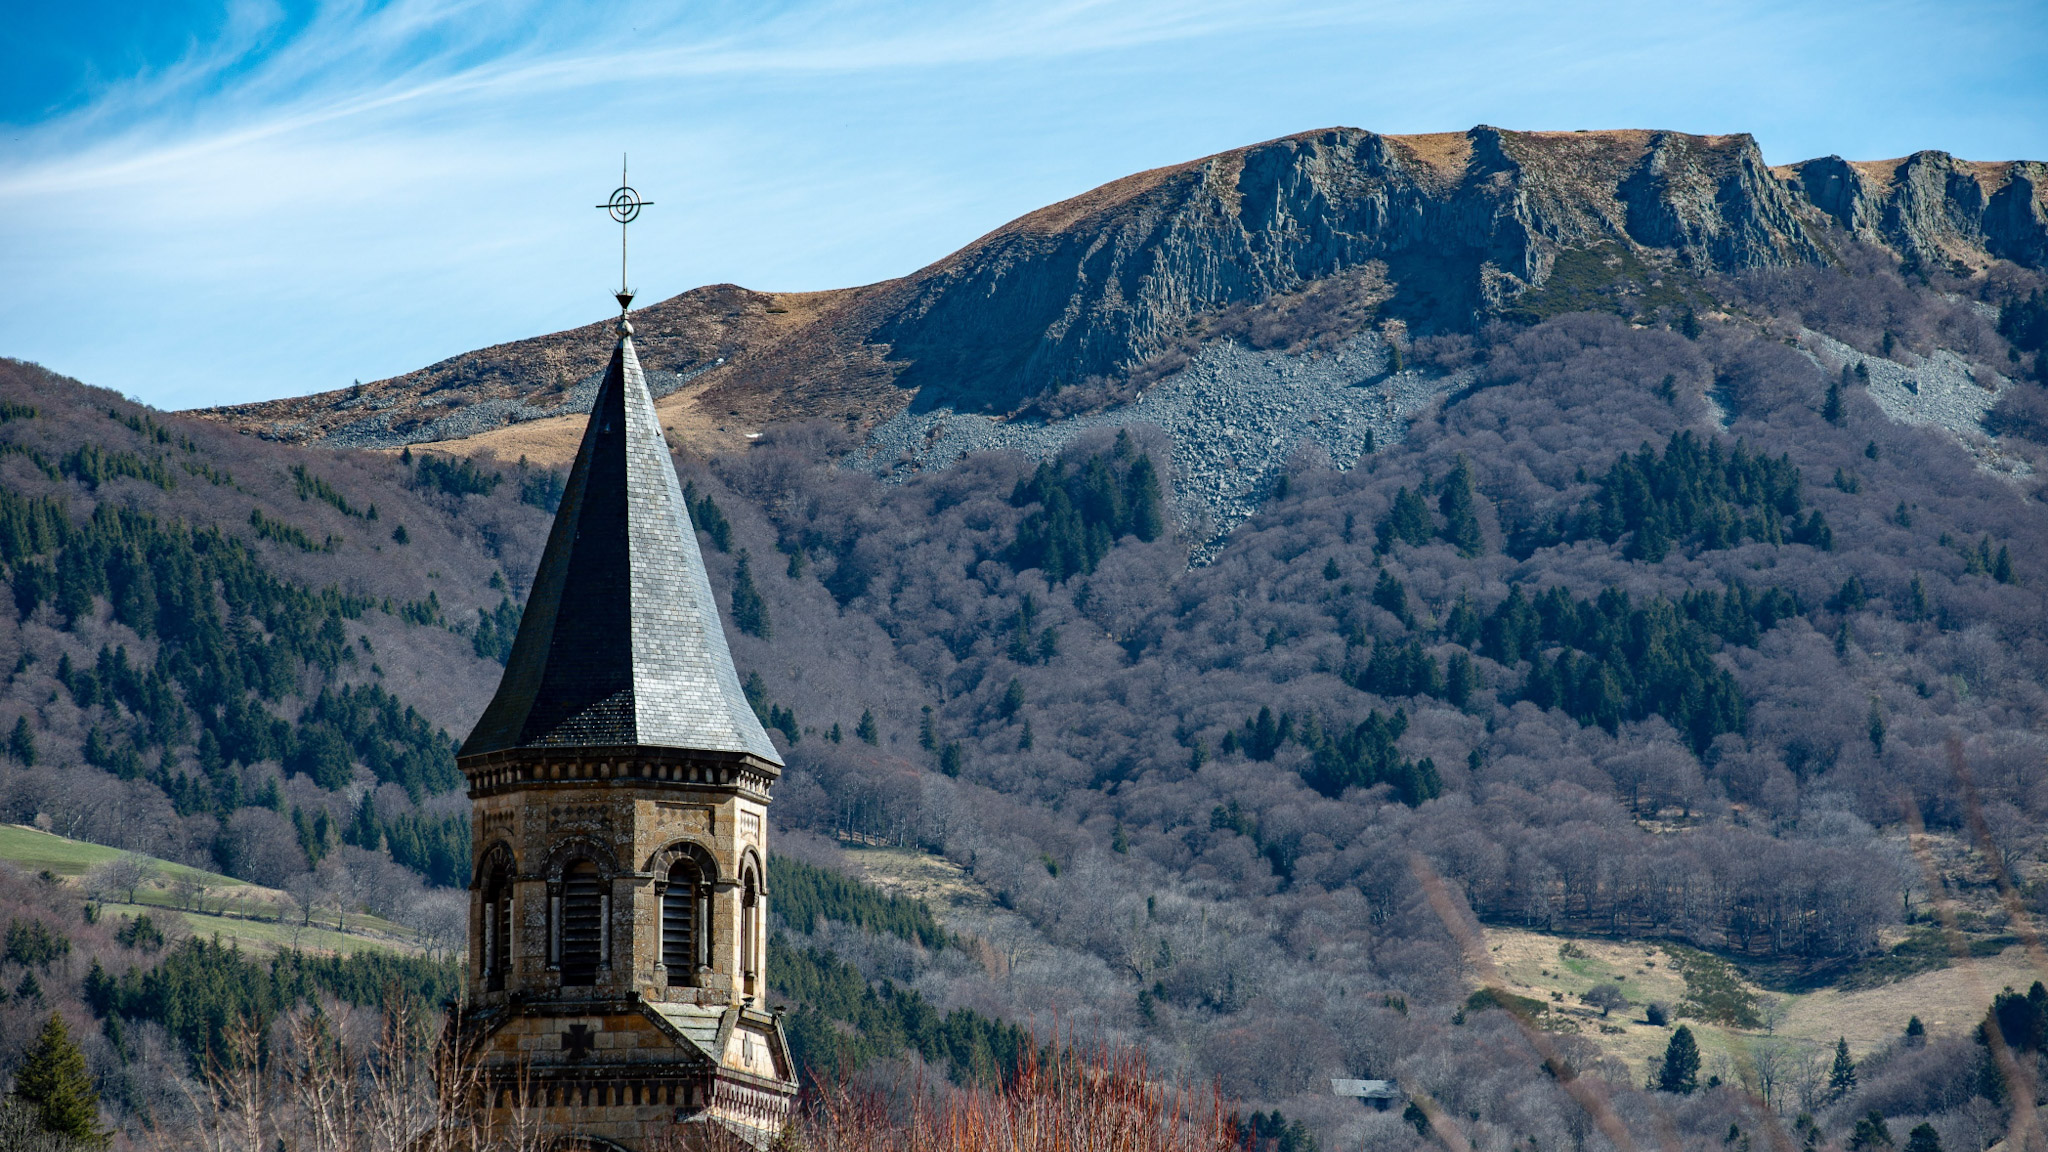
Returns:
point(625, 204)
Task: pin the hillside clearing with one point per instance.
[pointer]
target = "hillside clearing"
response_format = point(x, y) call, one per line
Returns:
point(38, 851)
point(1558, 970)
point(208, 904)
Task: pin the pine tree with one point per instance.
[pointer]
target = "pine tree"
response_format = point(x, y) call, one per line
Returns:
point(1263, 735)
point(708, 517)
point(749, 611)
point(1462, 624)
point(21, 745)
point(866, 730)
point(1831, 409)
point(1102, 498)
point(1461, 520)
point(1019, 650)
point(1681, 1071)
point(1013, 699)
point(1406, 522)
point(1389, 593)
point(364, 831)
point(1689, 325)
point(928, 732)
point(1876, 727)
point(53, 1080)
point(1148, 507)
point(1842, 1077)
point(1916, 1033)
point(100, 989)
point(756, 691)
point(1870, 1130)
point(1923, 1138)
point(1461, 679)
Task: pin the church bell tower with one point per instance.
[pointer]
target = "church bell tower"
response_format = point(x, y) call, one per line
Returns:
point(619, 784)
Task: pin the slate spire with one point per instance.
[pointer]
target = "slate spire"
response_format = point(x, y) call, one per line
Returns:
point(621, 642)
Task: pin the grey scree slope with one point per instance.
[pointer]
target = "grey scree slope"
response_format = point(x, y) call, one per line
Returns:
point(621, 642)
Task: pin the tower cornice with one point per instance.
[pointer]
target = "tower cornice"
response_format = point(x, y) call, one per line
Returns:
point(622, 766)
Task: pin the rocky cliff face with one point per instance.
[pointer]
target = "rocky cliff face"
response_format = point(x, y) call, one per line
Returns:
point(1435, 232)
point(1932, 208)
point(1465, 226)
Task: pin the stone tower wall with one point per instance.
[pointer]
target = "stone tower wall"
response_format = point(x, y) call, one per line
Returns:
point(613, 813)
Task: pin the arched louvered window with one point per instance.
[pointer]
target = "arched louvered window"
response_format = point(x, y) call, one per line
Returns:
point(685, 923)
point(497, 926)
point(584, 913)
point(750, 930)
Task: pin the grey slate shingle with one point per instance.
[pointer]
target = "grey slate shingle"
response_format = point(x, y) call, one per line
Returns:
point(621, 642)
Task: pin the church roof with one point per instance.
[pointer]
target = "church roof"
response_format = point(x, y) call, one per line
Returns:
point(621, 642)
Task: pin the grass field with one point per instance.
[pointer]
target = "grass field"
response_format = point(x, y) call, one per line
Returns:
point(262, 936)
point(210, 905)
point(1556, 970)
point(35, 850)
point(935, 880)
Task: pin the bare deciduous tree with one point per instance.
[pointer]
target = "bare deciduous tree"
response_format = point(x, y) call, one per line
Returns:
point(122, 876)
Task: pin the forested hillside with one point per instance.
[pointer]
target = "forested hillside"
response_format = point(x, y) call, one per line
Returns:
point(251, 660)
point(1663, 629)
point(1712, 617)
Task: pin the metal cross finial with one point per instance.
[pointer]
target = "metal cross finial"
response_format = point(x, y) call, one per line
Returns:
point(624, 206)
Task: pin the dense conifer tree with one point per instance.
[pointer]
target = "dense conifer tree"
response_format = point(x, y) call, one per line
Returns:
point(1389, 593)
point(749, 610)
point(1081, 511)
point(1681, 1070)
point(53, 1079)
point(21, 743)
point(1459, 507)
point(1406, 522)
point(1842, 1076)
point(1923, 1138)
point(1871, 1132)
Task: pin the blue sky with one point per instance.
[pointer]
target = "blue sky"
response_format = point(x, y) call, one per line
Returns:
point(204, 203)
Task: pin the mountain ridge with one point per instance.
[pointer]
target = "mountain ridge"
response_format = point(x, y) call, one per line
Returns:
point(1450, 230)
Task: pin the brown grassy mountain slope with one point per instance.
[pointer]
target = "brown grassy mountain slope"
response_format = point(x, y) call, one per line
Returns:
point(1450, 229)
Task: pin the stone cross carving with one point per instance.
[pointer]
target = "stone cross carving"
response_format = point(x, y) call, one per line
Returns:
point(579, 1040)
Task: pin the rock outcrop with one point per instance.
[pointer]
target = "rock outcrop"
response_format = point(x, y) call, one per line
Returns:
point(1932, 208)
point(1451, 229)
